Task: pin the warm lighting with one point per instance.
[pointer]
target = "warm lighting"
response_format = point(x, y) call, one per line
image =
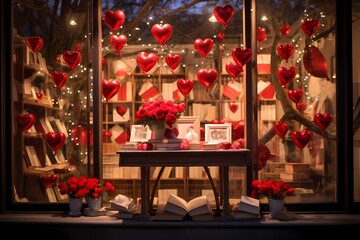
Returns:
point(264, 18)
point(72, 23)
point(212, 19)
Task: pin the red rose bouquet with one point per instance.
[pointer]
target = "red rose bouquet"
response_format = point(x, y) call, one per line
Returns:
point(271, 189)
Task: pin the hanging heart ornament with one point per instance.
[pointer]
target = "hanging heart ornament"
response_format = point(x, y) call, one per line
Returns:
point(59, 78)
point(55, 140)
point(39, 96)
point(261, 34)
point(301, 139)
point(315, 63)
point(146, 61)
point(172, 60)
point(322, 120)
point(285, 51)
point(185, 86)
point(241, 56)
point(286, 75)
point(207, 77)
point(26, 121)
point(161, 33)
point(121, 110)
point(35, 43)
point(281, 128)
point(285, 30)
point(72, 59)
point(118, 42)
point(114, 20)
point(223, 14)
point(110, 88)
point(310, 26)
point(233, 107)
point(233, 69)
point(296, 95)
point(203, 47)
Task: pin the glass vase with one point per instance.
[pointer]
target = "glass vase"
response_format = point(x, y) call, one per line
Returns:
point(275, 207)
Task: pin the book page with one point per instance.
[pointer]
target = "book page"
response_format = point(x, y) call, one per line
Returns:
point(197, 202)
point(176, 200)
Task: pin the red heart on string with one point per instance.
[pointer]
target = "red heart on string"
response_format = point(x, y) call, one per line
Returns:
point(55, 140)
point(110, 88)
point(59, 78)
point(238, 130)
point(48, 181)
point(301, 139)
point(233, 69)
point(285, 51)
point(322, 120)
point(161, 33)
point(39, 96)
point(121, 110)
point(114, 20)
point(301, 107)
point(310, 26)
point(172, 60)
point(185, 86)
point(203, 47)
point(207, 77)
point(261, 34)
point(146, 61)
point(72, 59)
point(35, 43)
point(285, 30)
point(223, 14)
point(281, 128)
point(107, 133)
point(315, 63)
point(220, 37)
point(118, 42)
point(241, 56)
point(286, 75)
point(233, 107)
point(26, 121)
point(296, 95)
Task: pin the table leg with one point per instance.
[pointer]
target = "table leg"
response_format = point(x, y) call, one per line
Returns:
point(226, 197)
point(144, 193)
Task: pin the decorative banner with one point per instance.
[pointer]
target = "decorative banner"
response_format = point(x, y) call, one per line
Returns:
point(114, 20)
point(146, 61)
point(35, 43)
point(310, 26)
point(296, 95)
point(59, 78)
point(286, 75)
point(223, 14)
point(285, 51)
point(110, 88)
point(285, 30)
point(315, 63)
point(233, 69)
point(261, 34)
point(233, 107)
point(26, 121)
point(118, 42)
point(301, 139)
point(207, 77)
point(203, 47)
point(72, 59)
point(161, 33)
point(281, 128)
point(241, 56)
point(55, 140)
point(121, 110)
point(322, 120)
point(185, 86)
point(172, 60)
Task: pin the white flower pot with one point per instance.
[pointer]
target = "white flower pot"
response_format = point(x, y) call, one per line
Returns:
point(275, 207)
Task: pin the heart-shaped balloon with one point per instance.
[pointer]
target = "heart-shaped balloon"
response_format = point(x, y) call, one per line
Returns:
point(285, 51)
point(310, 26)
point(315, 63)
point(185, 86)
point(223, 14)
point(286, 75)
point(114, 20)
point(261, 34)
point(39, 96)
point(110, 88)
point(233, 107)
point(301, 139)
point(35, 43)
point(285, 30)
point(238, 130)
point(207, 77)
point(146, 61)
point(322, 120)
point(203, 47)
point(233, 69)
point(118, 42)
point(55, 140)
point(161, 33)
point(296, 95)
point(121, 110)
point(241, 56)
point(301, 107)
point(281, 128)
point(172, 60)
point(26, 121)
point(220, 37)
point(59, 78)
point(72, 59)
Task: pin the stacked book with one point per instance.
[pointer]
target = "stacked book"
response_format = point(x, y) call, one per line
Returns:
point(167, 144)
point(126, 206)
point(247, 208)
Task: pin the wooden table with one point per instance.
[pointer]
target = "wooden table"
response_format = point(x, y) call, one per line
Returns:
point(187, 158)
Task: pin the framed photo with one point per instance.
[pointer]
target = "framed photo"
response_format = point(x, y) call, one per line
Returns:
point(185, 122)
point(140, 133)
point(218, 132)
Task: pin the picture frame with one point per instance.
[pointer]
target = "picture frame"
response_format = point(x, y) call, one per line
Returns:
point(140, 133)
point(216, 133)
point(184, 123)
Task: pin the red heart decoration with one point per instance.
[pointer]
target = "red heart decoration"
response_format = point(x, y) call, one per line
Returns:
point(39, 96)
point(72, 59)
point(315, 63)
point(233, 107)
point(110, 88)
point(26, 121)
point(146, 61)
point(301, 107)
point(238, 130)
point(285, 51)
point(35, 43)
point(161, 33)
point(203, 47)
point(47, 181)
point(233, 69)
point(241, 56)
point(118, 42)
point(59, 78)
point(310, 26)
point(114, 20)
point(322, 120)
point(301, 139)
point(286, 75)
point(261, 34)
point(220, 37)
point(55, 140)
point(172, 60)
point(207, 77)
point(285, 30)
point(185, 86)
point(281, 128)
point(121, 110)
point(296, 95)
point(223, 14)
point(107, 133)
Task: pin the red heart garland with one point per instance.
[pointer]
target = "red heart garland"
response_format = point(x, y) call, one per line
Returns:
point(118, 42)
point(59, 78)
point(72, 59)
point(35, 43)
point(233, 69)
point(296, 95)
point(110, 88)
point(301, 107)
point(185, 86)
point(301, 139)
point(114, 20)
point(26, 121)
point(223, 14)
point(203, 47)
point(161, 33)
point(285, 30)
point(241, 56)
point(310, 26)
point(281, 128)
point(146, 61)
point(261, 34)
point(172, 60)
point(315, 63)
point(121, 110)
point(286, 75)
point(39, 96)
point(285, 51)
point(48, 181)
point(322, 120)
point(207, 77)
point(55, 140)
point(233, 107)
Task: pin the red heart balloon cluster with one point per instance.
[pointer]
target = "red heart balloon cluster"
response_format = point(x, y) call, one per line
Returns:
point(72, 59)
point(286, 75)
point(35, 43)
point(241, 56)
point(48, 181)
point(285, 51)
point(185, 86)
point(26, 121)
point(296, 95)
point(315, 63)
point(59, 78)
point(203, 47)
point(161, 33)
point(55, 140)
point(121, 110)
point(207, 77)
point(114, 20)
point(223, 14)
point(172, 60)
point(261, 34)
point(146, 61)
point(281, 128)
point(322, 120)
point(310, 26)
point(110, 88)
point(118, 42)
point(301, 139)
point(233, 69)
point(285, 30)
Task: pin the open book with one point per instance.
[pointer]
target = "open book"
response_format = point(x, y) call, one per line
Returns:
point(194, 207)
point(123, 204)
point(247, 208)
